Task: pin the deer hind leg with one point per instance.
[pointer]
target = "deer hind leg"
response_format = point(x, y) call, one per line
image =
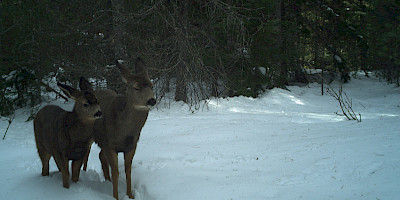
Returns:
point(76, 167)
point(62, 163)
point(128, 156)
point(112, 158)
point(44, 157)
point(104, 165)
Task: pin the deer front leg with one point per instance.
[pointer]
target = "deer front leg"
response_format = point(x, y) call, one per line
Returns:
point(112, 158)
point(86, 158)
point(62, 163)
point(104, 165)
point(128, 156)
point(76, 167)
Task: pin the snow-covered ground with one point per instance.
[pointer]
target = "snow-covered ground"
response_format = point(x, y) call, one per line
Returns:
point(285, 145)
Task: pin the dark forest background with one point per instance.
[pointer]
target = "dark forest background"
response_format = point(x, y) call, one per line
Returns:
point(194, 49)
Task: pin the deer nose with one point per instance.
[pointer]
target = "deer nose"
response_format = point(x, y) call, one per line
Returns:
point(98, 114)
point(151, 102)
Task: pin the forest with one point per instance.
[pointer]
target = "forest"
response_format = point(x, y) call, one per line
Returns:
point(256, 99)
point(194, 49)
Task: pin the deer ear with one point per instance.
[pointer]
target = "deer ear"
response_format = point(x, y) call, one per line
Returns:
point(141, 68)
point(69, 91)
point(125, 73)
point(84, 85)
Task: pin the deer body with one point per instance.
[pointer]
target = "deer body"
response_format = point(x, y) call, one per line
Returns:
point(71, 137)
point(124, 116)
point(66, 135)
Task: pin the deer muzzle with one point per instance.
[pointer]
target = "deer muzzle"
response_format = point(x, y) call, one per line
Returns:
point(98, 114)
point(151, 102)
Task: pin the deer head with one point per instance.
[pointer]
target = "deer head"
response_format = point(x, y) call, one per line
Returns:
point(86, 105)
point(139, 87)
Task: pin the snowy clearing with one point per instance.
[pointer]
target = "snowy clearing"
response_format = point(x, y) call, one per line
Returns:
point(285, 145)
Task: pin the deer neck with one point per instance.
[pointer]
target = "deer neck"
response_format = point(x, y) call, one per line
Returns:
point(132, 112)
point(77, 129)
point(82, 120)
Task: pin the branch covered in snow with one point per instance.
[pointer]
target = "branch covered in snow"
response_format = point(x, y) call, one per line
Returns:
point(330, 10)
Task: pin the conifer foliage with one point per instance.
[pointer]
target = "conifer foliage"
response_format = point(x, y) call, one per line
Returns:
point(196, 49)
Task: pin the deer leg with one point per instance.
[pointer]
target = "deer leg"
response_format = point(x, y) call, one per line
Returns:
point(58, 165)
point(112, 159)
point(76, 167)
point(128, 156)
point(86, 158)
point(44, 157)
point(62, 163)
point(104, 166)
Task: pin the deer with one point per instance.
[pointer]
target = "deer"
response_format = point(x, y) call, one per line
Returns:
point(118, 131)
point(66, 135)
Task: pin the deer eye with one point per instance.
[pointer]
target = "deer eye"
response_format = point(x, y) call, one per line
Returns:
point(136, 86)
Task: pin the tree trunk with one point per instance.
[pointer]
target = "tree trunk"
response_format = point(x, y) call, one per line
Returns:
point(181, 85)
point(118, 46)
point(181, 88)
point(118, 29)
point(281, 43)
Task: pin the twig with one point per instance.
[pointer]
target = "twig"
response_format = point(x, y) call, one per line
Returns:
point(53, 90)
point(10, 120)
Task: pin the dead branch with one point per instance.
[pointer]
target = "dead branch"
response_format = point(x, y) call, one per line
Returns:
point(345, 103)
point(9, 120)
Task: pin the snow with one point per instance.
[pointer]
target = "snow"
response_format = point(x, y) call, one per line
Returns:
point(10, 76)
point(331, 10)
point(262, 70)
point(284, 145)
point(338, 59)
point(313, 71)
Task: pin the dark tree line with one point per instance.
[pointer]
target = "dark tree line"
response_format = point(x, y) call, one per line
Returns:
point(195, 49)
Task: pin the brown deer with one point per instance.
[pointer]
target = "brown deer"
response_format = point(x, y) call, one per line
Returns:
point(67, 135)
point(124, 116)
